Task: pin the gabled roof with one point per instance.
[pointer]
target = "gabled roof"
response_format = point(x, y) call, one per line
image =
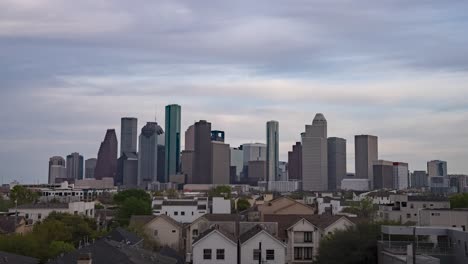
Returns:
point(7, 224)
point(168, 219)
point(141, 220)
point(121, 235)
point(254, 232)
point(287, 206)
point(222, 217)
point(214, 229)
point(6, 257)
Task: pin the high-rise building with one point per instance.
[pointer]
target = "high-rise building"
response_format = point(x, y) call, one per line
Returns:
point(336, 162)
point(190, 138)
point(437, 168)
point(220, 163)
point(217, 135)
point(75, 165)
point(237, 161)
point(202, 153)
point(383, 174)
point(419, 179)
point(314, 155)
point(283, 171)
point(128, 170)
point(272, 136)
point(254, 151)
point(90, 166)
point(400, 176)
point(295, 162)
point(128, 135)
point(173, 117)
point(366, 152)
point(148, 154)
point(57, 168)
point(106, 165)
point(257, 170)
point(161, 163)
point(186, 166)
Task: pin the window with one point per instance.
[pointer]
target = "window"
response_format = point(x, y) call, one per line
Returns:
point(192, 212)
point(182, 213)
point(411, 206)
point(207, 254)
point(308, 253)
point(307, 236)
point(155, 232)
point(220, 254)
point(173, 231)
point(176, 213)
point(256, 254)
point(195, 232)
point(408, 215)
point(270, 254)
point(463, 228)
point(403, 204)
point(298, 253)
point(75, 213)
point(424, 205)
point(431, 205)
point(26, 216)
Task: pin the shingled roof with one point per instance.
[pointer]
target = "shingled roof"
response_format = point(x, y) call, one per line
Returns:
point(251, 233)
point(214, 228)
point(141, 220)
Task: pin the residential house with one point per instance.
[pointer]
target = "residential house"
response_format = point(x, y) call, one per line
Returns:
point(214, 246)
point(302, 233)
point(283, 206)
point(15, 225)
point(40, 211)
point(259, 246)
point(444, 217)
point(405, 208)
point(162, 229)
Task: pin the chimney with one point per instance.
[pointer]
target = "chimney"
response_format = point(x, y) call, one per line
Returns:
point(85, 258)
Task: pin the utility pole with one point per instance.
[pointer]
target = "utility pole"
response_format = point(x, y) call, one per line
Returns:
point(259, 252)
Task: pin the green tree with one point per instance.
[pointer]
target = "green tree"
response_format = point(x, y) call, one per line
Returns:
point(132, 206)
point(172, 193)
point(221, 191)
point(23, 195)
point(242, 204)
point(365, 208)
point(4, 204)
point(459, 200)
point(120, 197)
point(59, 247)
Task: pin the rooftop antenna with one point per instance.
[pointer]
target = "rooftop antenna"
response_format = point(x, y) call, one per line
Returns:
point(155, 113)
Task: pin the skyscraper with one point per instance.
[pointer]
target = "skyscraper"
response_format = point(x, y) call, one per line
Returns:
point(336, 162)
point(90, 166)
point(220, 163)
point(128, 135)
point(400, 175)
point(295, 162)
point(202, 153)
point(190, 138)
point(128, 170)
point(366, 152)
point(75, 167)
point(419, 179)
point(272, 136)
point(438, 179)
point(217, 135)
point(57, 168)
point(173, 113)
point(383, 174)
point(106, 165)
point(254, 151)
point(314, 155)
point(148, 154)
point(237, 161)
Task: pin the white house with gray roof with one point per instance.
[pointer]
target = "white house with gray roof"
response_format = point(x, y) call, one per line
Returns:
point(40, 211)
point(258, 245)
point(214, 246)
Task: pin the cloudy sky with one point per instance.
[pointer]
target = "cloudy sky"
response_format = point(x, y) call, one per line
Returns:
point(396, 69)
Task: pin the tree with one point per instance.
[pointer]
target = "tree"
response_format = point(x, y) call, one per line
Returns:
point(365, 208)
point(120, 197)
point(172, 193)
point(459, 200)
point(59, 247)
point(221, 191)
point(242, 204)
point(4, 204)
point(23, 195)
point(132, 206)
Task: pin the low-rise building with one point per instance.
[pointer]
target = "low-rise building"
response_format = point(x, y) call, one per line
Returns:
point(257, 245)
point(214, 246)
point(181, 210)
point(283, 206)
point(40, 211)
point(355, 184)
point(15, 225)
point(444, 217)
point(162, 229)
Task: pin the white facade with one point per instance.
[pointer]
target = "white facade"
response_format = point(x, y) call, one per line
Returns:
point(38, 212)
point(181, 210)
point(221, 206)
point(254, 151)
point(215, 243)
point(355, 184)
point(280, 186)
point(56, 172)
point(400, 176)
point(237, 160)
point(269, 245)
point(303, 242)
point(335, 206)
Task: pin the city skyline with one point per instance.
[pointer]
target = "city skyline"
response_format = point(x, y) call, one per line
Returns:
point(395, 70)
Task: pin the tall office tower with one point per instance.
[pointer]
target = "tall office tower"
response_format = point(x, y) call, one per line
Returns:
point(237, 161)
point(106, 165)
point(57, 168)
point(283, 171)
point(220, 163)
point(366, 152)
point(128, 135)
point(382, 171)
point(336, 162)
point(272, 136)
point(400, 176)
point(419, 179)
point(90, 166)
point(148, 154)
point(186, 165)
point(217, 135)
point(127, 170)
point(437, 168)
point(202, 153)
point(295, 162)
point(161, 174)
point(314, 155)
point(257, 171)
point(75, 166)
point(254, 151)
point(190, 138)
point(172, 143)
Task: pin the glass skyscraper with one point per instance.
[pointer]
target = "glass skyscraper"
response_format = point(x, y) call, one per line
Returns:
point(272, 131)
point(173, 113)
